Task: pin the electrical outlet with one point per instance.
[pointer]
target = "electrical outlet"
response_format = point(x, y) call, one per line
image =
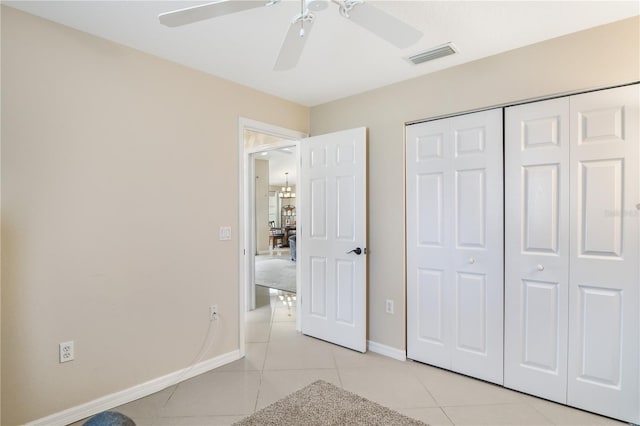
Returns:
point(389, 306)
point(213, 312)
point(66, 352)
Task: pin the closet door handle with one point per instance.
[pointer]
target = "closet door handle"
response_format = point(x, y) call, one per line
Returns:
point(472, 261)
point(540, 267)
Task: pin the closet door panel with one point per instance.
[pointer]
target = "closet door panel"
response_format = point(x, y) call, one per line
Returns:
point(540, 350)
point(478, 252)
point(541, 208)
point(429, 301)
point(600, 191)
point(430, 202)
point(536, 248)
point(605, 278)
point(471, 196)
point(471, 313)
point(429, 242)
point(454, 244)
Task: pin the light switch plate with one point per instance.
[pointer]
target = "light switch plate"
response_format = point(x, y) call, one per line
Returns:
point(389, 306)
point(225, 233)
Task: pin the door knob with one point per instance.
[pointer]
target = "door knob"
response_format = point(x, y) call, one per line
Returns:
point(356, 250)
point(472, 260)
point(540, 268)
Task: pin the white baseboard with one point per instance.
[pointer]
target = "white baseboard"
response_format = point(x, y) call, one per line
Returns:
point(385, 350)
point(108, 402)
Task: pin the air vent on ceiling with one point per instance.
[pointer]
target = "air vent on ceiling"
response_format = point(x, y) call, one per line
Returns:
point(431, 54)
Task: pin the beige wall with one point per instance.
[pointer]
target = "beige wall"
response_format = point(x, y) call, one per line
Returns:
point(114, 163)
point(598, 57)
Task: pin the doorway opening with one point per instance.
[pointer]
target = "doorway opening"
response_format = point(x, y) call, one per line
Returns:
point(275, 224)
point(331, 226)
point(268, 216)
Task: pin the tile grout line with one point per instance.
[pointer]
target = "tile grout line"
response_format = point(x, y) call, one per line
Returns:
point(335, 363)
point(433, 397)
point(272, 315)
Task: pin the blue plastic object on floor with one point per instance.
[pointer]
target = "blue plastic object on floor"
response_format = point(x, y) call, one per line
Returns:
point(109, 418)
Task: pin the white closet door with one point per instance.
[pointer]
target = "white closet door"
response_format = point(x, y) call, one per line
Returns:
point(604, 322)
point(478, 229)
point(455, 244)
point(537, 248)
point(429, 243)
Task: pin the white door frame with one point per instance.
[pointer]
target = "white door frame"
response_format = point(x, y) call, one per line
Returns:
point(246, 208)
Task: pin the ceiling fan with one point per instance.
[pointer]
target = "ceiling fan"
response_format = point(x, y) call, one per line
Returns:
point(369, 17)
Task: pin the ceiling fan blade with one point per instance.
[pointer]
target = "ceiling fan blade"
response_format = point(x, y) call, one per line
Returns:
point(385, 26)
point(206, 11)
point(292, 46)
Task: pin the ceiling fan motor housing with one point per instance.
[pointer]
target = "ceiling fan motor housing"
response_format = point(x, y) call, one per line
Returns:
point(317, 5)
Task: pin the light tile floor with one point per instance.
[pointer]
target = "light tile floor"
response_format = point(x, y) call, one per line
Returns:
point(280, 360)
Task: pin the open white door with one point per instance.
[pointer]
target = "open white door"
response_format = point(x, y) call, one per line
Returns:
point(332, 239)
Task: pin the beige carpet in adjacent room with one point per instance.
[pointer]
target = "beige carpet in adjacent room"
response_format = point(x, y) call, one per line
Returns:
point(276, 272)
point(323, 404)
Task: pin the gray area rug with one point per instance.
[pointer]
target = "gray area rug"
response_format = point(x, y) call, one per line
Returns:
point(324, 404)
point(276, 272)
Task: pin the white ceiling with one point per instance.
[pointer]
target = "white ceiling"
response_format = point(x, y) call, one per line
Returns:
point(340, 58)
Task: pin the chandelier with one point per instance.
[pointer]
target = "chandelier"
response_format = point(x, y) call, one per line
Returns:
point(286, 190)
